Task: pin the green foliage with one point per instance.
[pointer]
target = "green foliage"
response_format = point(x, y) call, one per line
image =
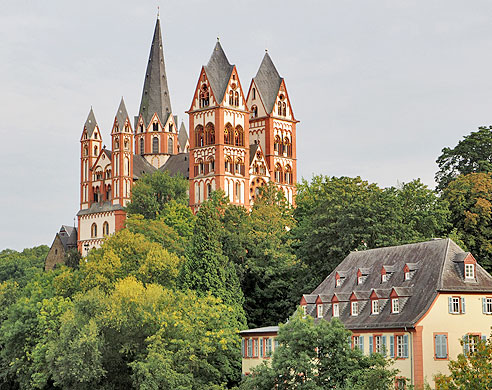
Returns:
point(151, 193)
point(73, 258)
point(338, 215)
point(318, 356)
point(471, 372)
point(472, 154)
point(470, 203)
point(22, 266)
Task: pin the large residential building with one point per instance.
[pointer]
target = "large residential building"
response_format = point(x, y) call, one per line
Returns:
point(414, 302)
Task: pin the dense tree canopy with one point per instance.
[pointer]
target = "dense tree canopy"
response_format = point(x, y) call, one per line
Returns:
point(22, 266)
point(472, 154)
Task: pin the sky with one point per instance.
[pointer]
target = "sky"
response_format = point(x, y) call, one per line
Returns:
point(379, 87)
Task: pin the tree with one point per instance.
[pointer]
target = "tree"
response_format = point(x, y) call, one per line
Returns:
point(470, 202)
point(338, 215)
point(470, 372)
point(151, 193)
point(472, 154)
point(319, 356)
point(22, 266)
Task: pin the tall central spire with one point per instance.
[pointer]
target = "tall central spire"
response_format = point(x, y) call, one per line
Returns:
point(155, 95)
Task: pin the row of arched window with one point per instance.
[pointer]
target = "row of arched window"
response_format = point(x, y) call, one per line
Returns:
point(206, 136)
point(203, 191)
point(234, 98)
point(282, 109)
point(283, 175)
point(259, 169)
point(105, 229)
point(284, 147)
point(204, 168)
point(99, 196)
point(155, 145)
point(234, 167)
point(204, 97)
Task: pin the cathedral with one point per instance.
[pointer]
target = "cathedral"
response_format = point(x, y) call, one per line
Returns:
point(238, 142)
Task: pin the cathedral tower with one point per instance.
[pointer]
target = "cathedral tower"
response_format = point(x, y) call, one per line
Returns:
point(273, 125)
point(219, 139)
point(156, 132)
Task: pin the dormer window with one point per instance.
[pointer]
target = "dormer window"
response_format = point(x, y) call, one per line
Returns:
point(374, 306)
point(304, 310)
point(319, 309)
point(407, 275)
point(335, 310)
point(469, 271)
point(395, 305)
point(354, 308)
point(384, 278)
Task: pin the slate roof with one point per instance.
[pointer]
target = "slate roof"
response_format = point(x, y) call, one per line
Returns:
point(178, 164)
point(265, 329)
point(155, 94)
point(438, 271)
point(68, 237)
point(141, 166)
point(182, 137)
point(252, 152)
point(122, 114)
point(218, 72)
point(90, 123)
point(268, 82)
point(100, 207)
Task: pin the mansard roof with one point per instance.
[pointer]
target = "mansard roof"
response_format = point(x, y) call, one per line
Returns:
point(178, 164)
point(155, 94)
point(182, 137)
point(218, 72)
point(437, 271)
point(268, 82)
point(90, 123)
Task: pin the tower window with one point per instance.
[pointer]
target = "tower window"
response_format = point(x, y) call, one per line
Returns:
point(239, 136)
point(141, 128)
point(95, 150)
point(236, 99)
point(142, 146)
point(94, 230)
point(204, 95)
point(284, 109)
point(279, 108)
point(209, 190)
point(254, 93)
point(254, 111)
point(105, 229)
point(199, 136)
point(210, 134)
point(170, 145)
point(155, 126)
point(155, 145)
point(170, 127)
point(228, 134)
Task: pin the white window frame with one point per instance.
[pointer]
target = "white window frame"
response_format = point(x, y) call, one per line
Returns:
point(488, 305)
point(407, 275)
point(469, 271)
point(395, 305)
point(354, 308)
point(319, 310)
point(360, 279)
point(338, 282)
point(356, 341)
point(384, 278)
point(336, 310)
point(378, 344)
point(375, 306)
point(455, 305)
point(399, 340)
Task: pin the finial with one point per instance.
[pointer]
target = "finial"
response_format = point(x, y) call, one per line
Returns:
point(218, 39)
point(266, 50)
point(158, 12)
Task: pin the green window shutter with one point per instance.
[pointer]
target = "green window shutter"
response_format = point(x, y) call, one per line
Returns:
point(484, 338)
point(261, 346)
point(463, 305)
point(242, 347)
point(405, 346)
point(385, 352)
point(465, 345)
point(392, 346)
point(444, 345)
point(361, 343)
point(450, 304)
point(484, 306)
point(370, 345)
point(437, 345)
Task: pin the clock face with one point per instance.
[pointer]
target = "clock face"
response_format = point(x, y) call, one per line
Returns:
point(233, 86)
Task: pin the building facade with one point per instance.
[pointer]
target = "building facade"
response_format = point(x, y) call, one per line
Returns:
point(413, 302)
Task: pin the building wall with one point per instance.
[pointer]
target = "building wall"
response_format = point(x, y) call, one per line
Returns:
point(248, 363)
point(84, 231)
point(56, 255)
point(439, 320)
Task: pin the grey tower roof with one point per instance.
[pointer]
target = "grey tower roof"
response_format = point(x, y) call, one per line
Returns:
point(122, 114)
point(218, 72)
point(268, 82)
point(182, 137)
point(155, 94)
point(90, 123)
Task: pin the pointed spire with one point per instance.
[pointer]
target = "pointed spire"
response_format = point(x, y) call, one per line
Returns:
point(218, 71)
point(182, 138)
point(122, 114)
point(155, 95)
point(90, 123)
point(268, 82)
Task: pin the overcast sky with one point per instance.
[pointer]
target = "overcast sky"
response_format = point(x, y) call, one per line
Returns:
point(379, 87)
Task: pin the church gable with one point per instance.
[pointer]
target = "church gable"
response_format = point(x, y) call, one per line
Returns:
point(204, 96)
point(255, 103)
point(234, 96)
point(282, 107)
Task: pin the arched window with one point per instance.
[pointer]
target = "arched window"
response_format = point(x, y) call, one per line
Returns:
point(126, 144)
point(105, 229)
point(279, 111)
point(108, 192)
point(141, 128)
point(155, 145)
point(94, 230)
point(238, 191)
point(210, 134)
point(254, 111)
point(228, 134)
point(288, 175)
point(284, 109)
point(210, 165)
point(95, 150)
point(86, 151)
point(254, 93)
point(199, 166)
point(199, 136)
point(155, 126)
point(228, 164)
point(231, 98)
point(170, 145)
point(127, 166)
point(287, 148)
point(239, 166)
point(116, 144)
point(236, 99)
point(142, 146)
point(209, 190)
point(96, 194)
point(239, 136)
point(277, 145)
point(278, 173)
point(204, 96)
